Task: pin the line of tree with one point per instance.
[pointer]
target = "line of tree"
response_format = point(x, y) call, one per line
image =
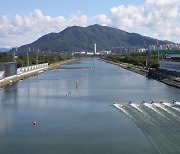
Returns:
point(22, 59)
point(136, 59)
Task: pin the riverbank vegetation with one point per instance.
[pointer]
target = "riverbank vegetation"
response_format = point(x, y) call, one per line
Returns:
point(22, 60)
point(136, 59)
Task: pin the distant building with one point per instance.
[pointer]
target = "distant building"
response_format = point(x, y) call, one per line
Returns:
point(90, 53)
point(104, 52)
point(171, 62)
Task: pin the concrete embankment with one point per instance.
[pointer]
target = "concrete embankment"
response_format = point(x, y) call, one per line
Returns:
point(13, 79)
point(155, 75)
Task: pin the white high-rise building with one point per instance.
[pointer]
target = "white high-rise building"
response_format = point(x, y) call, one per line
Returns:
point(94, 48)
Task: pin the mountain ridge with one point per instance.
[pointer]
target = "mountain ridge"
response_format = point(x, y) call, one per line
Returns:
point(77, 38)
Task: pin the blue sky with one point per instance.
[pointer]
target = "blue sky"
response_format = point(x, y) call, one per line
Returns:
point(64, 8)
point(24, 21)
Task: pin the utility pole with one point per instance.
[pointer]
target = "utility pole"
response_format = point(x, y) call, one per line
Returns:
point(14, 57)
point(37, 54)
point(147, 54)
point(157, 43)
point(28, 56)
point(145, 46)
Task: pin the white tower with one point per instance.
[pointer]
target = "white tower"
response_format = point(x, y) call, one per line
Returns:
point(94, 48)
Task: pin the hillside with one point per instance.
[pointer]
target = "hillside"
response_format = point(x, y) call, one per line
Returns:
point(82, 39)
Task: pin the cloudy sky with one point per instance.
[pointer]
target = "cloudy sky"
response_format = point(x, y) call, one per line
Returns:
point(24, 21)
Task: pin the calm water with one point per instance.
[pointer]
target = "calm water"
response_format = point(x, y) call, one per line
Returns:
point(85, 122)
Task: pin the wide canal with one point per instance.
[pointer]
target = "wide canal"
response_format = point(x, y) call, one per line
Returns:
point(73, 109)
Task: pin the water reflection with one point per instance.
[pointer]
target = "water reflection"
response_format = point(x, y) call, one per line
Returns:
point(9, 97)
point(5, 123)
point(82, 122)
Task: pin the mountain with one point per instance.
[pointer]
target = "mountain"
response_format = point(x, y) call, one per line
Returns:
point(77, 38)
point(4, 49)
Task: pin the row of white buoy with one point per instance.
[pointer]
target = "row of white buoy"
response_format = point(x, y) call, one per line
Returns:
point(77, 84)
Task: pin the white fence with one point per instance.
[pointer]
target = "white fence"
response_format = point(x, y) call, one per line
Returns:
point(23, 70)
point(31, 68)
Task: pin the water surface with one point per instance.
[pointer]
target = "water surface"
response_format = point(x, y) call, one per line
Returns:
point(84, 122)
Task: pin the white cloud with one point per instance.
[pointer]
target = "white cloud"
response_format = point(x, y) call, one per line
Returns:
point(162, 3)
point(101, 19)
point(158, 18)
point(126, 17)
point(25, 29)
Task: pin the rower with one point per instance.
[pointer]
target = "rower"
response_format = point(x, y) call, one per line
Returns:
point(161, 101)
point(173, 101)
point(143, 102)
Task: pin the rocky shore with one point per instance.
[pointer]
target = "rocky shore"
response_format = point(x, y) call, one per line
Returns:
point(130, 67)
point(167, 77)
point(158, 75)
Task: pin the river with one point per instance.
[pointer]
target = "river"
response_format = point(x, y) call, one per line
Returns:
point(73, 109)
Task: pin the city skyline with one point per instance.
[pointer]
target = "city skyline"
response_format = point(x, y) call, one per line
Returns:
point(24, 22)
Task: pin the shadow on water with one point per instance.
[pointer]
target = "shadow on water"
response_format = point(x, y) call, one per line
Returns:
point(159, 126)
point(8, 98)
point(78, 119)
